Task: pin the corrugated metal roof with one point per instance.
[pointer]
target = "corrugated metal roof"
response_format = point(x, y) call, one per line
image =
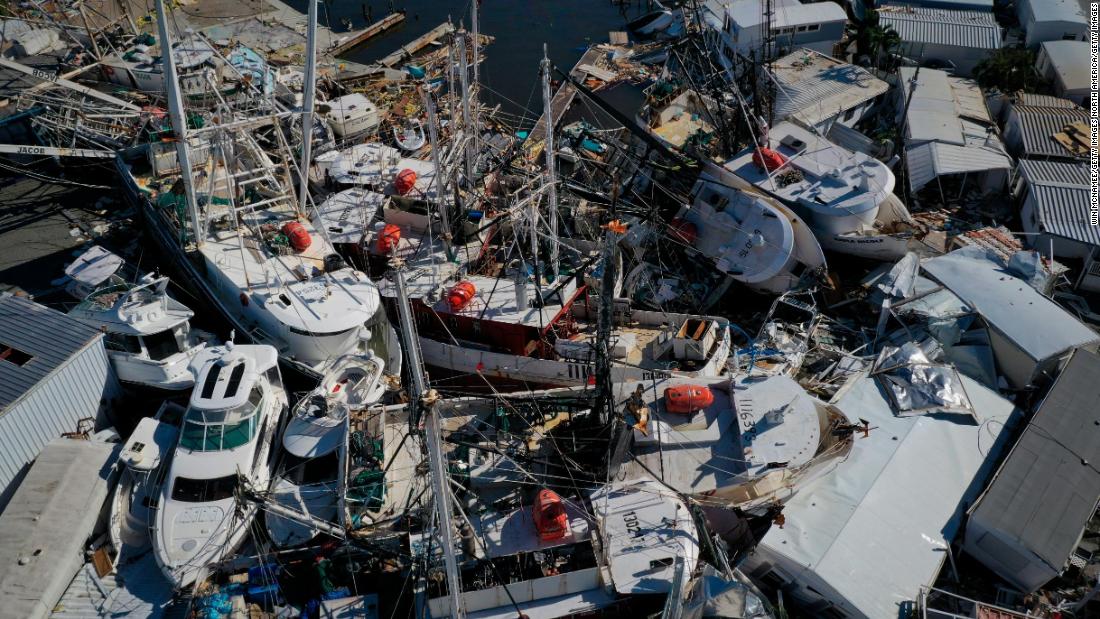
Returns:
point(1065, 173)
point(813, 87)
point(1064, 211)
point(1030, 98)
point(1038, 124)
point(942, 107)
point(48, 336)
point(972, 29)
point(1044, 494)
point(137, 589)
point(927, 161)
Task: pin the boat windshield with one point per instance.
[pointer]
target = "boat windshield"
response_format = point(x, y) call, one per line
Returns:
point(215, 430)
point(203, 490)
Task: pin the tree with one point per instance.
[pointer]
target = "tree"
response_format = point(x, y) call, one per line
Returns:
point(882, 40)
point(1009, 69)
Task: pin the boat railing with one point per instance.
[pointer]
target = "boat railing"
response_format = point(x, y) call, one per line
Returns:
point(950, 605)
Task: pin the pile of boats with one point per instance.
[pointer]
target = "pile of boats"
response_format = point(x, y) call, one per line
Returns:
point(468, 370)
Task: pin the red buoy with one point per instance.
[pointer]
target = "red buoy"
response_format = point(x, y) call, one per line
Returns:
point(387, 240)
point(460, 295)
point(687, 399)
point(298, 236)
point(550, 518)
point(405, 181)
point(683, 231)
point(768, 159)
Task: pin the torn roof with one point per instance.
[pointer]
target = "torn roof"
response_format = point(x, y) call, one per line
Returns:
point(1034, 323)
point(875, 528)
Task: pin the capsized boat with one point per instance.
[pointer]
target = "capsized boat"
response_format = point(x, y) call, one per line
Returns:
point(149, 338)
point(226, 445)
point(846, 197)
point(749, 235)
point(310, 480)
point(350, 115)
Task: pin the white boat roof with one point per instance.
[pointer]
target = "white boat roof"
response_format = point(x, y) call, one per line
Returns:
point(745, 235)
point(94, 266)
point(515, 532)
point(370, 163)
point(228, 374)
point(834, 180)
point(349, 106)
point(778, 422)
point(140, 309)
point(191, 52)
point(874, 529)
point(307, 436)
point(344, 216)
point(645, 527)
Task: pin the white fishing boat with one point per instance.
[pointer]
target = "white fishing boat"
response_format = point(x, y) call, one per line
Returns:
point(148, 335)
point(350, 115)
point(846, 197)
point(225, 447)
point(748, 442)
point(143, 462)
point(750, 236)
point(310, 480)
point(410, 137)
point(368, 165)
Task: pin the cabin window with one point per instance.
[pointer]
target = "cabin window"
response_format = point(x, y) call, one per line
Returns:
point(123, 343)
point(850, 114)
point(773, 580)
point(161, 345)
point(1069, 36)
point(318, 333)
point(311, 471)
point(14, 355)
point(204, 490)
point(813, 27)
point(234, 383)
point(803, 28)
point(205, 430)
point(274, 377)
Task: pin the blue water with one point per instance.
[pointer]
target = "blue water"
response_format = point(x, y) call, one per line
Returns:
point(509, 74)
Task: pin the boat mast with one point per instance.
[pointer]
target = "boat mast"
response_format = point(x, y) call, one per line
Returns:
point(475, 45)
point(467, 126)
point(421, 396)
point(179, 122)
point(551, 179)
point(309, 92)
point(433, 135)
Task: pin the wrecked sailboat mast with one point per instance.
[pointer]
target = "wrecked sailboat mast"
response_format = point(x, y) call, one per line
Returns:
point(309, 95)
point(548, 148)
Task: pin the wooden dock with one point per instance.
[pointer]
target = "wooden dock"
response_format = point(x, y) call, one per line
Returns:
point(406, 51)
point(354, 39)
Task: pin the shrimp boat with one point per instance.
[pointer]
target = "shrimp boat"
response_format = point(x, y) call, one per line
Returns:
point(411, 137)
point(750, 236)
point(240, 239)
point(488, 317)
point(310, 479)
point(226, 446)
point(746, 442)
point(149, 339)
point(846, 197)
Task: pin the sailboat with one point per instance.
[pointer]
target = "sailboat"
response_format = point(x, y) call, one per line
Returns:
point(149, 338)
point(226, 446)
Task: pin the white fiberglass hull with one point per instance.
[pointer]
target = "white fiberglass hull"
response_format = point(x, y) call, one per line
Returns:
point(171, 374)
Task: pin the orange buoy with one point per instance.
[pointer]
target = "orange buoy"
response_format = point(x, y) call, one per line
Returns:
point(298, 236)
point(405, 181)
point(683, 231)
point(687, 399)
point(387, 239)
point(768, 159)
point(460, 295)
point(550, 518)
